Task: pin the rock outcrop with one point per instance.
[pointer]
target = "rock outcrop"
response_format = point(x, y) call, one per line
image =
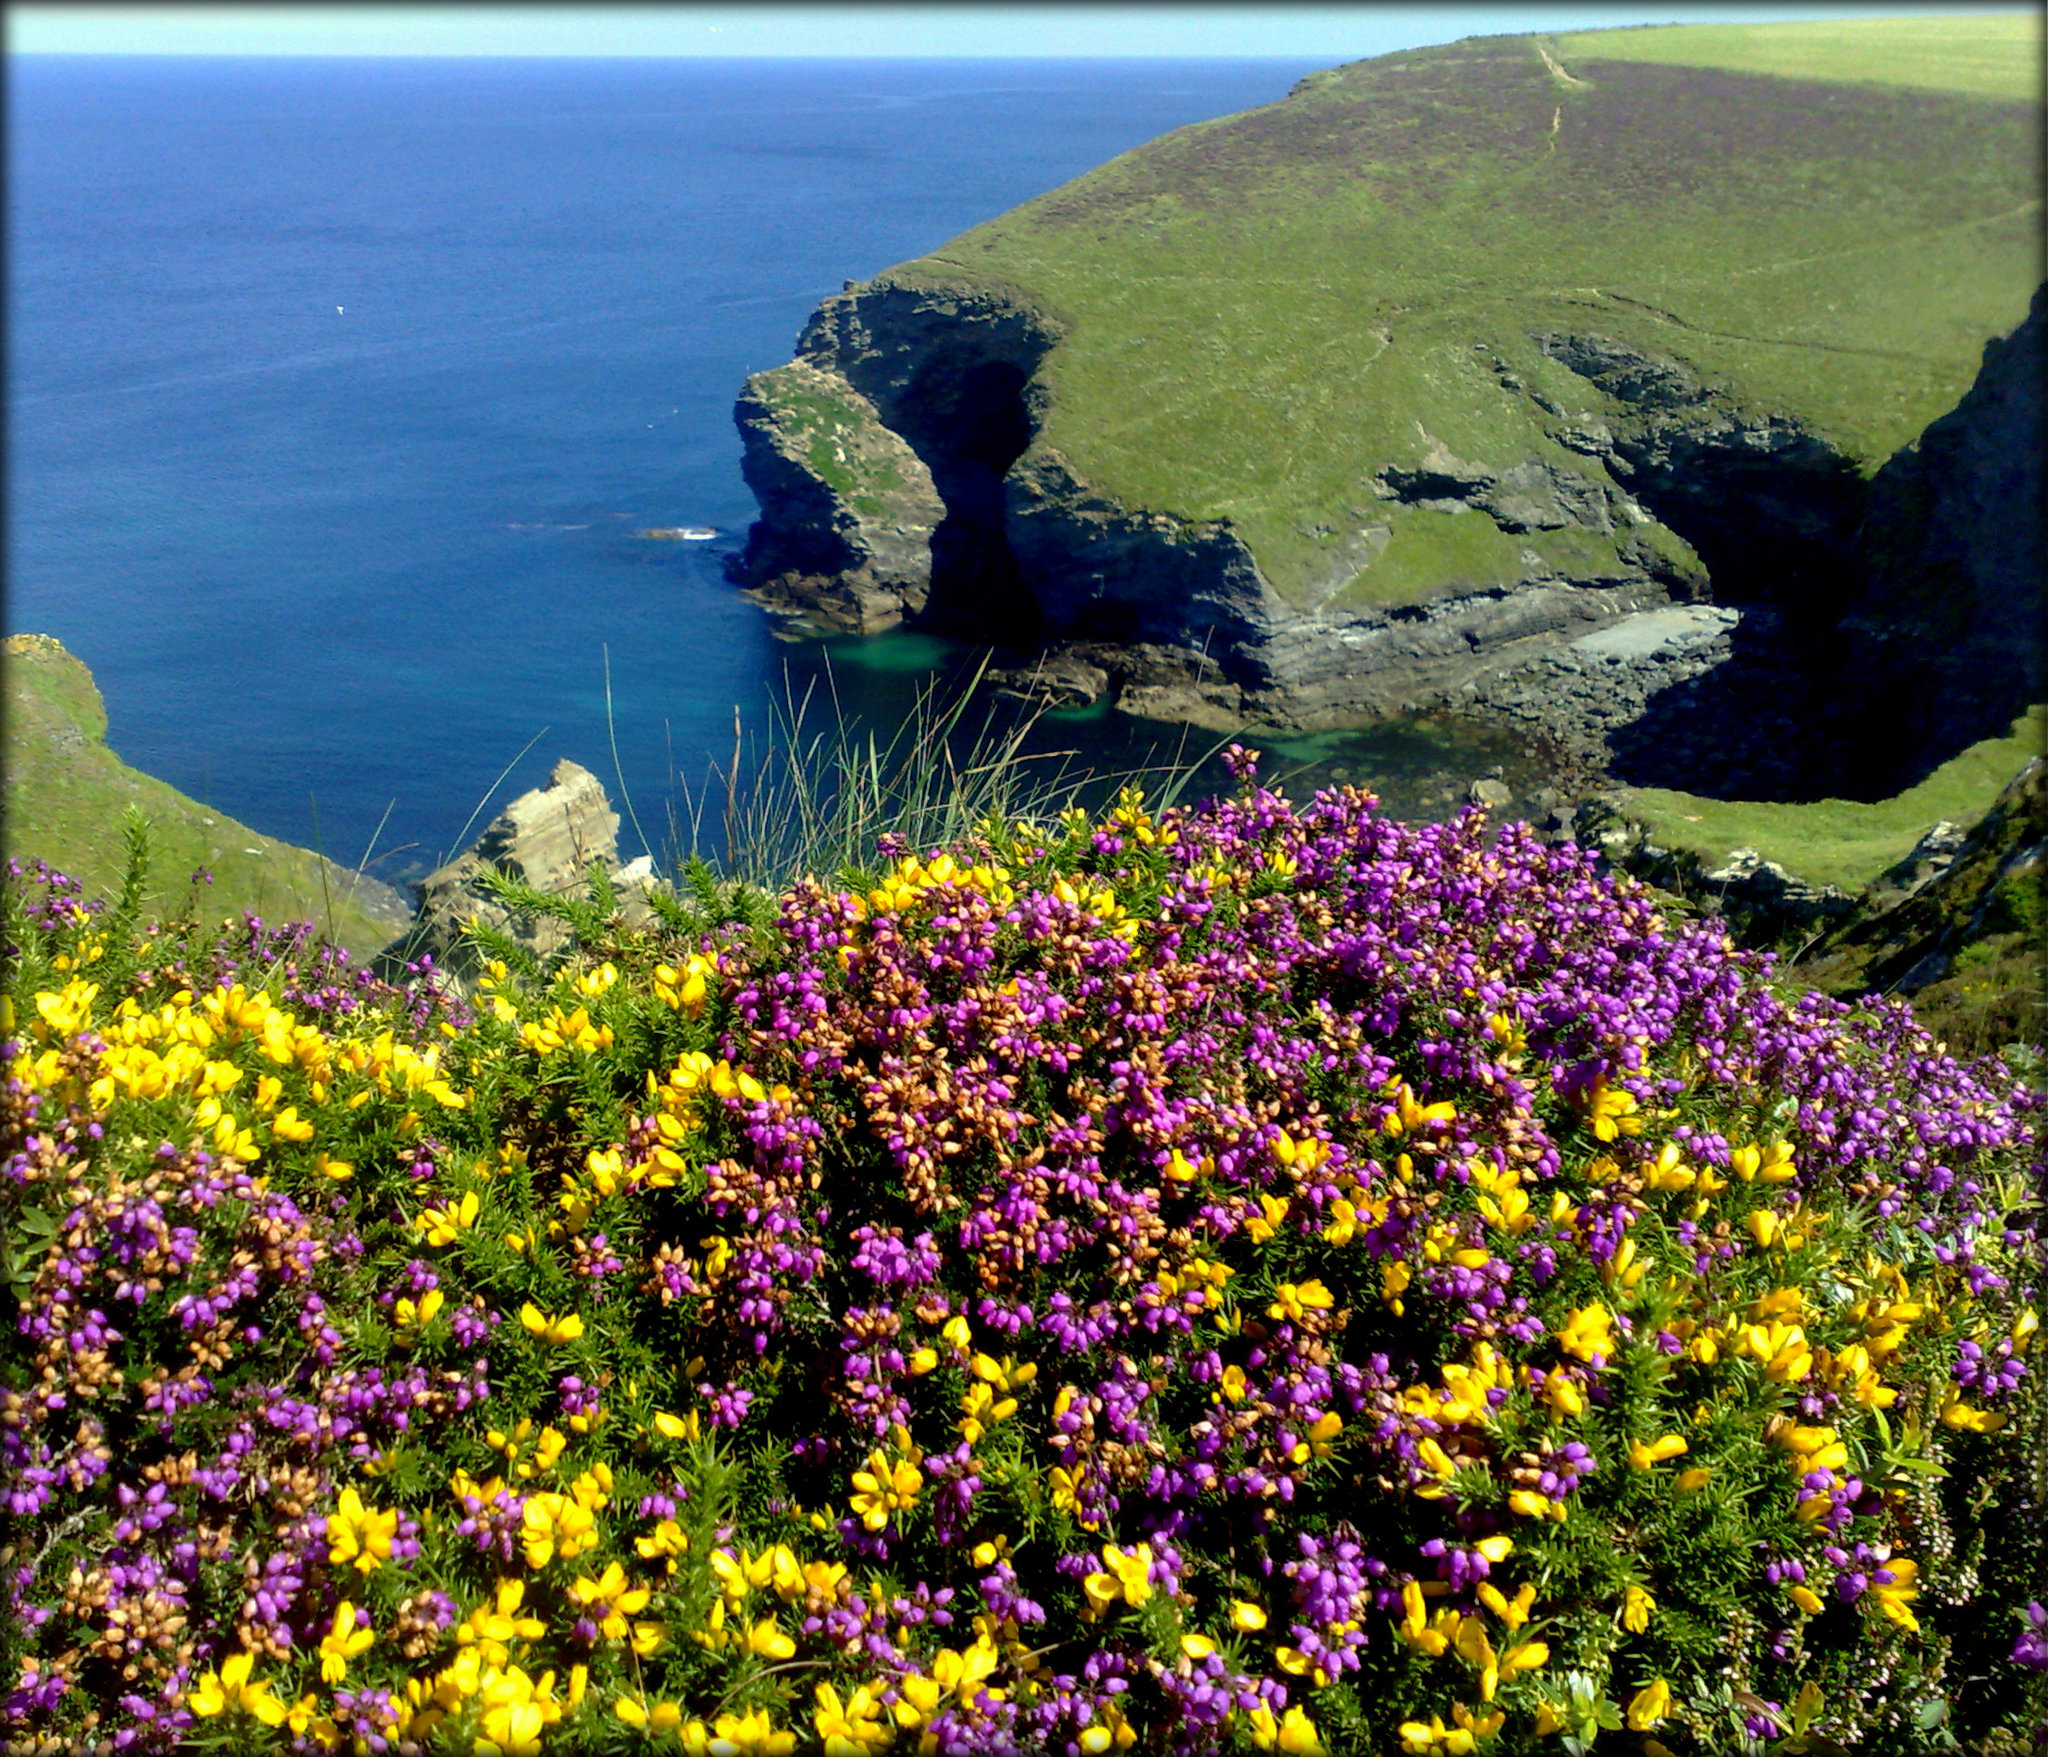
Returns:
point(552, 839)
point(901, 478)
point(1958, 889)
point(878, 457)
point(1761, 900)
point(848, 510)
point(890, 493)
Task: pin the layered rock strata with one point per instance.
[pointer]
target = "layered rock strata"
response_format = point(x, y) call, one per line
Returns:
point(553, 839)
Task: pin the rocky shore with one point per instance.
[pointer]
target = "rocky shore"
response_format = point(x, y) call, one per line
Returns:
point(553, 839)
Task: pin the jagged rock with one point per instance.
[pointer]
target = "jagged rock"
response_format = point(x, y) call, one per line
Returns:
point(1144, 678)
point(848, 508)
point(1759, 896)
point(1758, 885)
point(550, 838)
point(1059, 677)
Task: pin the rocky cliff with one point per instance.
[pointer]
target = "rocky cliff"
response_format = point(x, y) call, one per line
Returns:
point(902, 477)
point(1950, 617)
point(1299, 415)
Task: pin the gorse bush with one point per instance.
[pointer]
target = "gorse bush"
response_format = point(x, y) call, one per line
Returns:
point(1248, 1278)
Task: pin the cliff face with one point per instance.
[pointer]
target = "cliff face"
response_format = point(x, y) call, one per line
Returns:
point(1306, 413)
point(879, 455)
point(848, 510)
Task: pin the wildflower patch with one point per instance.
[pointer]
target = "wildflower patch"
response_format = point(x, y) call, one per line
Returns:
point(1253, 1278)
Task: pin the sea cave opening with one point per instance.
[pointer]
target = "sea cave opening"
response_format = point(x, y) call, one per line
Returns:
point(970, 421)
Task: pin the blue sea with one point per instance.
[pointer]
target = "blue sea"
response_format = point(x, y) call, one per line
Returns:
point(338, 389)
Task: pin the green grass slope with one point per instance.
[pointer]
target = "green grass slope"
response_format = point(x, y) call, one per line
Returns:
point(1992, 55)
point(1827, 220)
point(67, 794)
point(1841, 842)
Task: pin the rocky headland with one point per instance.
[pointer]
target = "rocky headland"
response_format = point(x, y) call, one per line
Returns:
point(1666, 549)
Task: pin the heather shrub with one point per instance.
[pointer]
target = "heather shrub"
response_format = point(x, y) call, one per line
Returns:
point(1245, 1278)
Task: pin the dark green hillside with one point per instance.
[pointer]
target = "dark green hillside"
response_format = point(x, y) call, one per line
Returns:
point(1255, 313)
point(67, 793)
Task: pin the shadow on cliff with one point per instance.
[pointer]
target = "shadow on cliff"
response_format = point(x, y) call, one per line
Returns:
point(1764, 724)
point(969, 426)
point(1885, 628)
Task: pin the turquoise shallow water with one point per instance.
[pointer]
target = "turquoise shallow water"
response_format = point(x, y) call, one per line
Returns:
point(1419, 768)
point(337, 391)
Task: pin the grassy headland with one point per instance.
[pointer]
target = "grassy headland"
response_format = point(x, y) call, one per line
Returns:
point(67, 793)
point(1994, 55)
point(1827, 220)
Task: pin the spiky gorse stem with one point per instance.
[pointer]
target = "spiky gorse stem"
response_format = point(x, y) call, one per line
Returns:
point(1245, 1278)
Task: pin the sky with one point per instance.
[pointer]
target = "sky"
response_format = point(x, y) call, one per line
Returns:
point(1334, 32)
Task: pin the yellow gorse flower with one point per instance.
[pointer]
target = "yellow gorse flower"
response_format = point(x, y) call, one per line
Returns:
point(1292, 1733)
point(1126, 1578)
point(1642, 1456)
point(853, 1727)
point(358, 1534)
point(550, 1330)
point(1410, 1117)
point(557, 1525)
point(1295, 1302)
point(1772, 1165)
point(1264, 1224)
point(231, 1691)
point(1636, 1607)
point(562, 1030)
point(1589, 1332)
point(1894, 1597)
point(343, 1642)
point(444, 1225)
point(653, 1717)
point(613, 1600)
point(417, 1316)
point(885, 1488)
point(686, 989)
point(960, 1675)
point(1611, 1111)
point(1648, 1706)
point(492, 1627)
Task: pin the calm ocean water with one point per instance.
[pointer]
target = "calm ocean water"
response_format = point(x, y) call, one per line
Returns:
point(337, 390)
